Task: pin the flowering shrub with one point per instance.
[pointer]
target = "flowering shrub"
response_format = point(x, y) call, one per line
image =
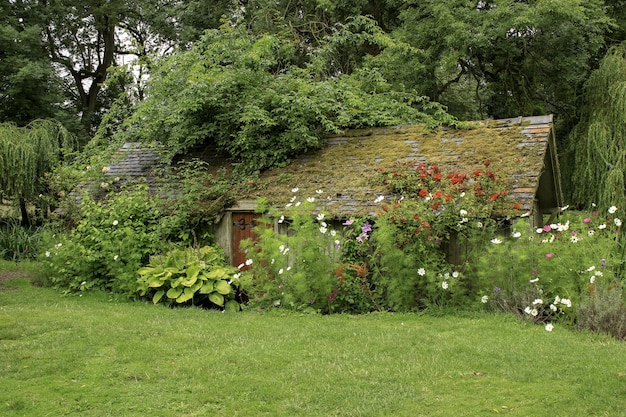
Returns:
point(415, 234)
point(110, 242)
point(542, 274)
point(294, 269)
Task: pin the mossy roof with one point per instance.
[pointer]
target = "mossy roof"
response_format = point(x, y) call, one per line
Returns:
point(346, 167)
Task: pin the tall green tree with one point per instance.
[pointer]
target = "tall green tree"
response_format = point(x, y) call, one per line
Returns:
point(509, 57)
point(26, 155)
point(250, 96)
point(29, 88)
point(596, 158)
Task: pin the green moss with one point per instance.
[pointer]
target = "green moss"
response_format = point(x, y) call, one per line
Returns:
point(346, 166)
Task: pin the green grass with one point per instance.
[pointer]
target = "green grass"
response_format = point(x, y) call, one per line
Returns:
point(98, 356)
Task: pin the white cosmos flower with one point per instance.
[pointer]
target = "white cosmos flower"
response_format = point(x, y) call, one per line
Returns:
point(532, 281)
point(549, 327)
point(537, 301)
point(241, 266)
point(421, 272)
point(292, 199)
point(249, 262)
point(115, 222)
point(455, 274)
point(484, 299)
point(612, 209)
point(553, 307)
point(310, 199)
point(297, 203)
point(295, 190)
point(282, 219)
point(516, 234)
point(333, 233)
point(444, 285)
point(280, 271)
point(319, 191)
point(496, 241)
point(618, 222)
point(320, 217)
point(527, 310)
point(602, 226)
point(47, 254)
point(567, 302)
point(323, 230)
point(115, 258)
point(534, 312)
point(379, 199)
point(463, 213)
point(592, 279)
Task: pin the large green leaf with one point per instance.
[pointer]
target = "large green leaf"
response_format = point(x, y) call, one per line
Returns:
point(155, 282)
point(174, 292)
point(216, 273)
point(185, 296)
point(216, 298)
point(222, 287)
point(191, 275)
point(232, 305)
point(207, 287)
point(157, 296)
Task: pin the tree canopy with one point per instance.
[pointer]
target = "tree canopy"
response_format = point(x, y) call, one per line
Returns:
point(247, 95)
point(264, 80)
point(597, 146)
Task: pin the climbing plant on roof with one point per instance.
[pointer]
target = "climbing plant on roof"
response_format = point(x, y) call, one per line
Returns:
point(26, 155)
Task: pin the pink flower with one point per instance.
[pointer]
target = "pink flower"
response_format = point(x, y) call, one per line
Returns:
point(549, 255)
point(595, 213)
point(547, 228)
point(586, 219)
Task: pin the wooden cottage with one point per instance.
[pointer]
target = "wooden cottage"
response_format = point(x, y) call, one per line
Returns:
point(521, 150)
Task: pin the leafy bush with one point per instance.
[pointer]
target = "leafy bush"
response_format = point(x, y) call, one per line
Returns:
point(295, 269)
point(111, 241)
point(603, 310)
point(413, 236)
point(543, 274)
point(191, 276)
point(18, 242)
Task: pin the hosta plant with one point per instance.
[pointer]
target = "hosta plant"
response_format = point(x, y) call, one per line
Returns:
point(191, 276)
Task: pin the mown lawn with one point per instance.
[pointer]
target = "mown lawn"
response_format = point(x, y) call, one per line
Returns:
point(98, 356)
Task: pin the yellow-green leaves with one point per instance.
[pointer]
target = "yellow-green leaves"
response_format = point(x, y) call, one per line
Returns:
point(190, 275)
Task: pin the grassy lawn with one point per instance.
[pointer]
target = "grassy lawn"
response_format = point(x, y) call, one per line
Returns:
point(97, 356)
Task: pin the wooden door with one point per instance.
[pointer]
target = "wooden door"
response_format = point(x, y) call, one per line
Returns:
point(243, 224)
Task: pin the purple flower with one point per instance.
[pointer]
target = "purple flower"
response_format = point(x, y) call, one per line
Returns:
point(497, 289)
point(603, 262)
point(348, 222)
point(366, 227)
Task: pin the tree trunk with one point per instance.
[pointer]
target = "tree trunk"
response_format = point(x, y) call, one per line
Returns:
point(24, 212)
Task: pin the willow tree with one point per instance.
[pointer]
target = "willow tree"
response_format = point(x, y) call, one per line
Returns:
point(26, 155)
point(597, 145)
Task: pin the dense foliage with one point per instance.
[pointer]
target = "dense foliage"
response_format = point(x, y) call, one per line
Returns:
point(244, 94)
point(596, 158)
point(27, 156)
